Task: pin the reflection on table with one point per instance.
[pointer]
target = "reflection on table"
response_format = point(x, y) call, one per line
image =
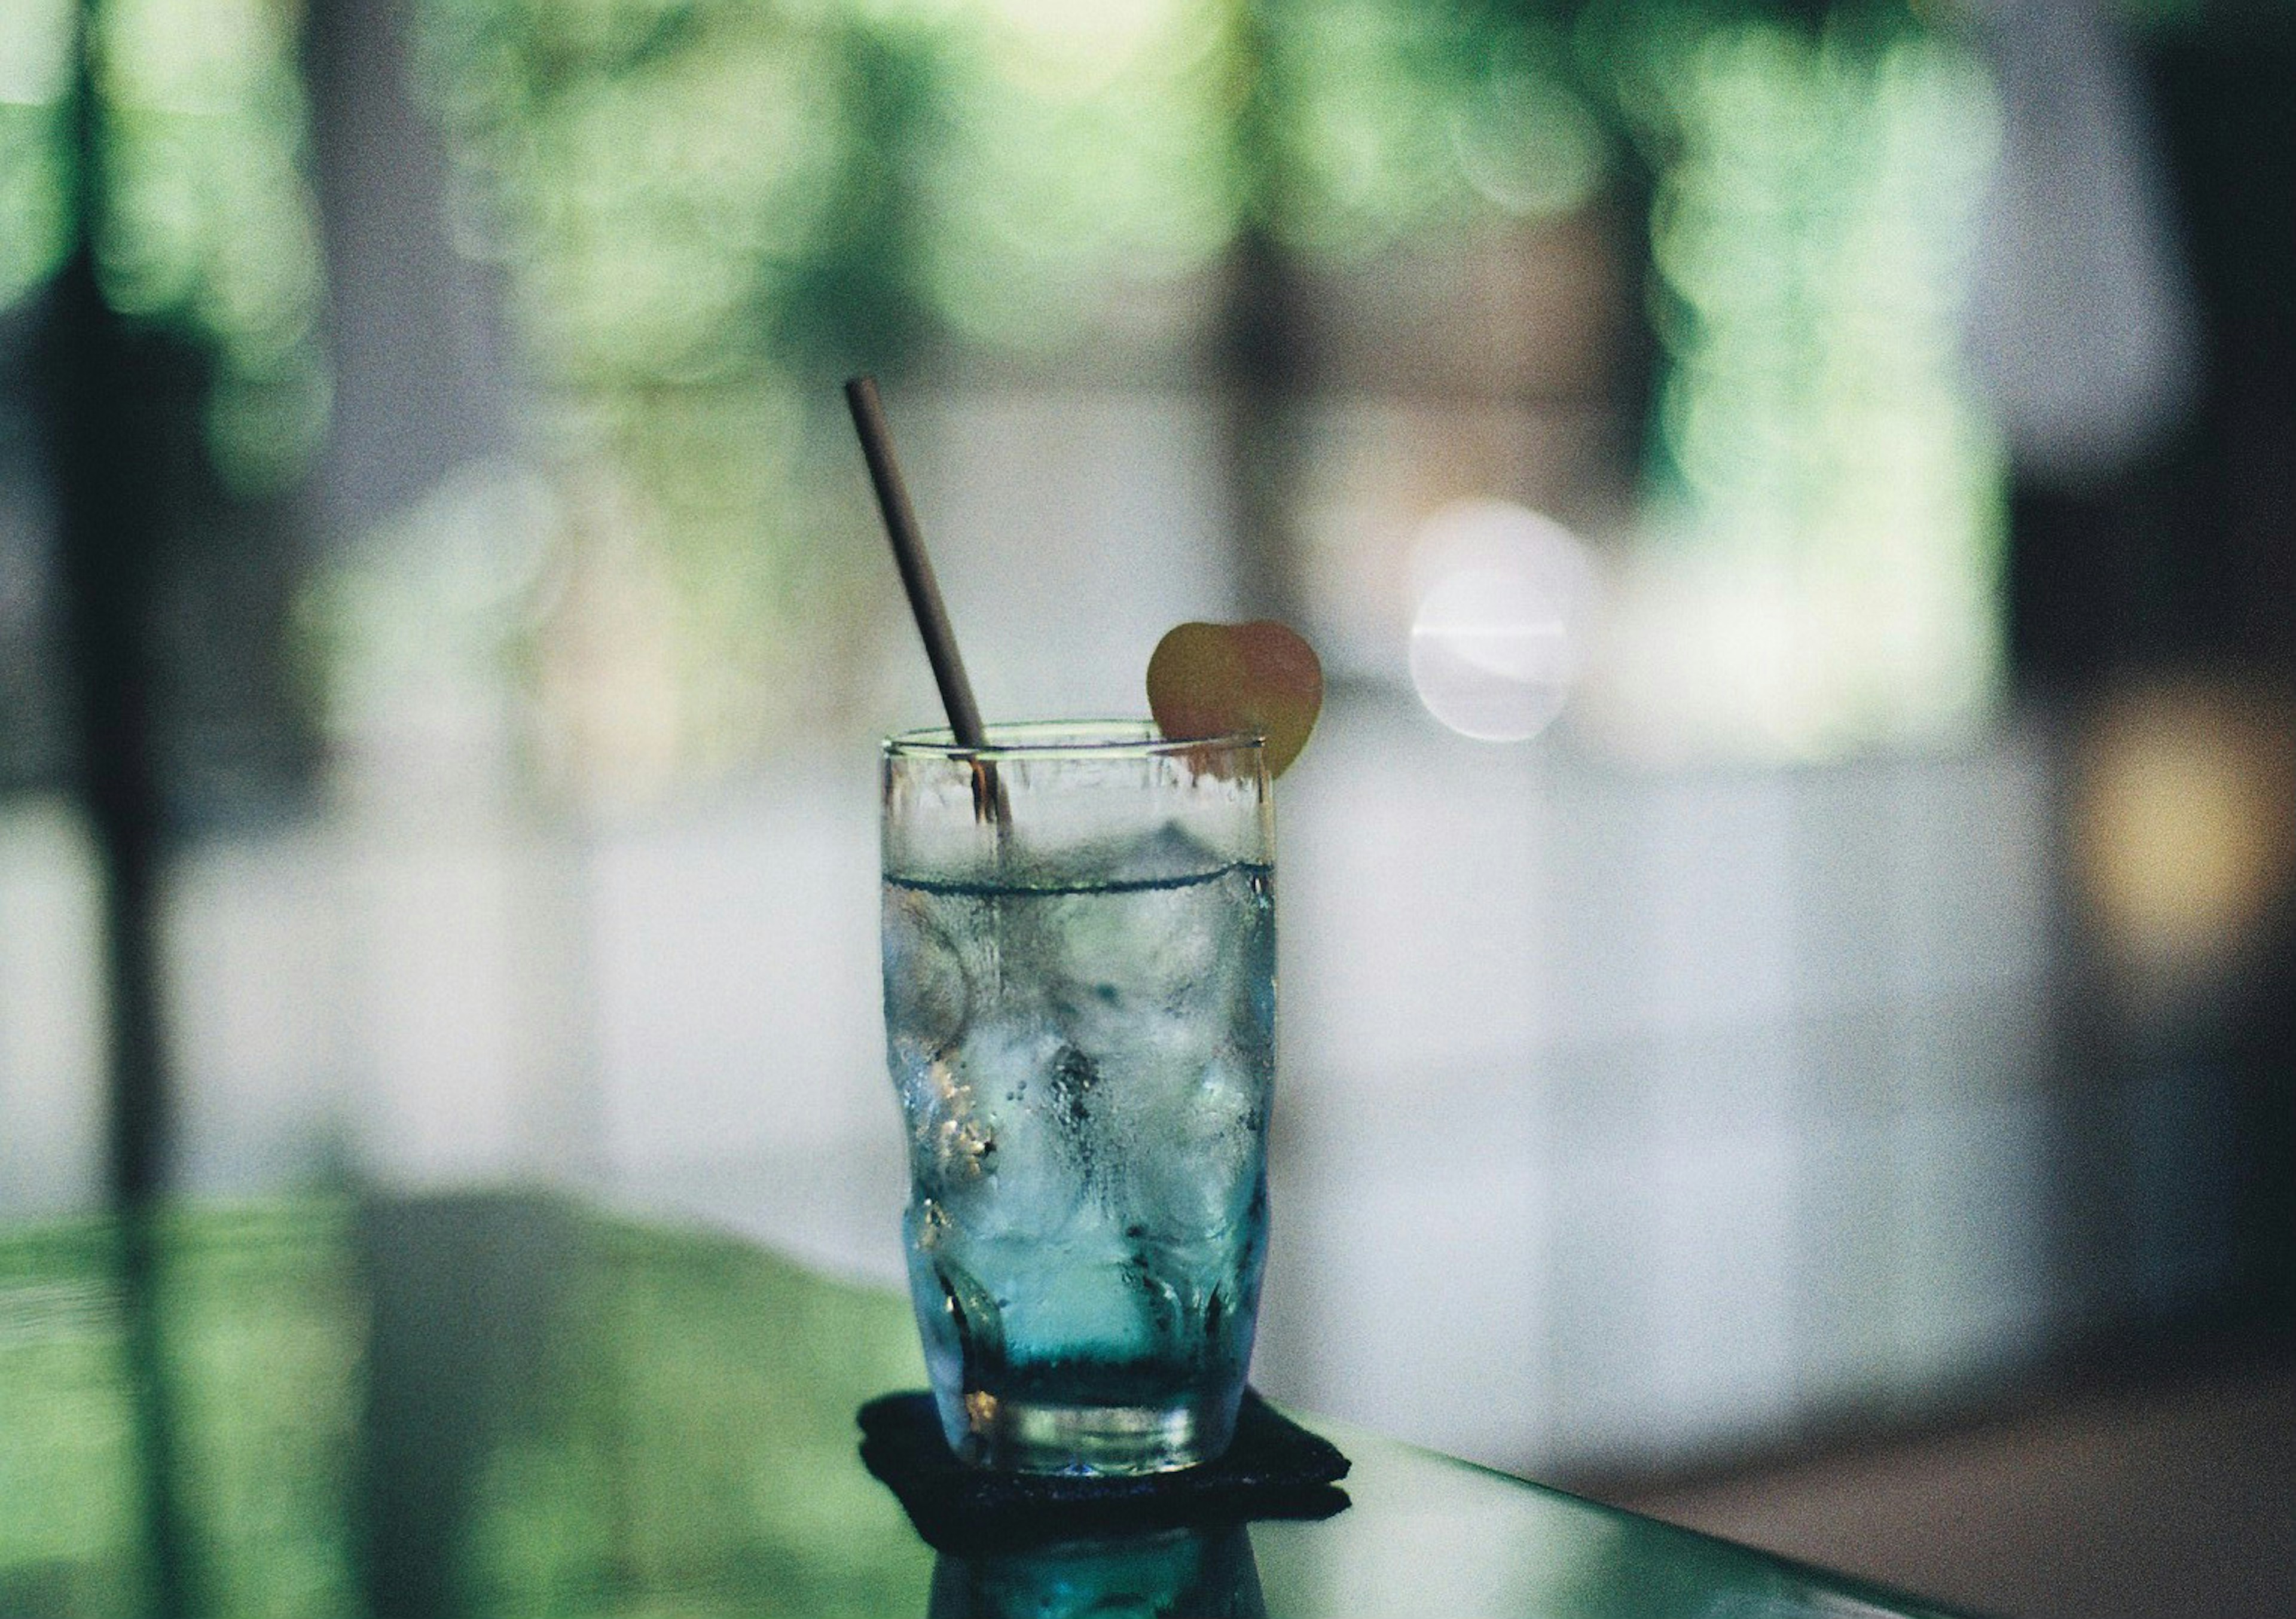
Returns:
point(1206, 1574)
point(488, 1404)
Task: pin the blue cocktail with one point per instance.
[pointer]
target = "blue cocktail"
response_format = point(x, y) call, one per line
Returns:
point(1079, 1009)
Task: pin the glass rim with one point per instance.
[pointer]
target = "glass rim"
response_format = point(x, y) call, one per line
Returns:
point(1108, 739)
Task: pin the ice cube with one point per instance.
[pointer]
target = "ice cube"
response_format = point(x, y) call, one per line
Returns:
point(1139, 971)
point(1014, 1163)
point(937, 957)
point(1196, 1160)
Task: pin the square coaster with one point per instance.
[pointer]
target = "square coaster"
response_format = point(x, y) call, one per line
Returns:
point(1274, 1468)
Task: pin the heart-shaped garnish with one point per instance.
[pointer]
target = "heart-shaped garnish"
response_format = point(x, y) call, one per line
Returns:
point(1207, 680)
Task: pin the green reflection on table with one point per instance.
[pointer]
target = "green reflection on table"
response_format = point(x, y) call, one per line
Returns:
point(487, 1405)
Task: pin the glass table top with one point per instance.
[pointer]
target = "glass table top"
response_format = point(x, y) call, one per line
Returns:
point(497, 1404)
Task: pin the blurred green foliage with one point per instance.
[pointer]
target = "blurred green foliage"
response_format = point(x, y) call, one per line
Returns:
point(695, 189)
point(35, 70)
point(1814, 214)
point(705, 212)
point(207, 226)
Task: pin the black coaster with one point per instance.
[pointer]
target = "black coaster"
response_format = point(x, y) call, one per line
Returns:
point(1274, 1468)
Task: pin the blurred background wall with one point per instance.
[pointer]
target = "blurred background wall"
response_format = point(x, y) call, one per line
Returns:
point(1842, 971)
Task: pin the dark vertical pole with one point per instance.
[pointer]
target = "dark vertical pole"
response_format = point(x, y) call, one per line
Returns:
point(106, 403)
point(1263, 392)
point(1260, 354)
point(108, 466)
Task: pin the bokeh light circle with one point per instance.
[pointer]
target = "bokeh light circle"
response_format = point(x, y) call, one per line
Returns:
point(1504, 598)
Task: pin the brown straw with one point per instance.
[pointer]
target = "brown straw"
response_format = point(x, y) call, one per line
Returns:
point(989, 802)
point(916, 567)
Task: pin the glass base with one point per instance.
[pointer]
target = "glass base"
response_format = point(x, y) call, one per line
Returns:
point(1033, 1436)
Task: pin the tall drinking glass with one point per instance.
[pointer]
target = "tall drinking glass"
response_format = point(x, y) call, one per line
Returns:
point(1079, 941)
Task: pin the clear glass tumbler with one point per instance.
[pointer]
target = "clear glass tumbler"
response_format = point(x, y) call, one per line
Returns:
point(1079, 943)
